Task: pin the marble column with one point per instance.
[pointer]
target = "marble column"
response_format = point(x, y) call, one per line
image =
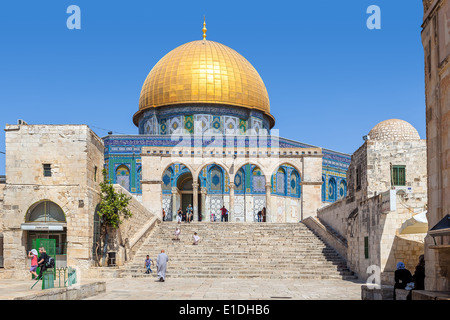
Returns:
point(174, 203)
point(195, 199)
point(268, 202)
point(203, 195)
point(231, 208)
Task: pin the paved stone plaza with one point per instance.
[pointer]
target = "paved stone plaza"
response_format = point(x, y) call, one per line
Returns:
point(204, 289)
point(229, 289)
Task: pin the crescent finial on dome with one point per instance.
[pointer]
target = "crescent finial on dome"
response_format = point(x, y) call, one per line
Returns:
point(204, 28)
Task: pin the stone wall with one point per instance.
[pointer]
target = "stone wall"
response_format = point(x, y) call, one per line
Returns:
point(436, 44)
point(72, 151)
point(385, 246)
point(371, 229)
point(335, 215)
point(382, 154)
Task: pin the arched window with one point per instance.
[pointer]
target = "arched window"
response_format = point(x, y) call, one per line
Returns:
point(43, 213)
point(167, 180)
point(123, 176)
point(139, 179)
point(294, 184)
point(216, 179)
point(258, 181)
point(324, 189)
point(332, 190)
point(280, 181)
point(239, 181)
point(342, 189)
point(46, 211)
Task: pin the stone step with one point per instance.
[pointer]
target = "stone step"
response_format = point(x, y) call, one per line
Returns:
point(240, 250)
point(235, 274)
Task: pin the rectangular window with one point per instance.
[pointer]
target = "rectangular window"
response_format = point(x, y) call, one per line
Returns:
point(358, 178)
point(47, 170)
point(398, 176)
point(366, 247)
point(95, 173)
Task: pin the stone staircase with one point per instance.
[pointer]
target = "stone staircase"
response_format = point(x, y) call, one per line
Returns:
point(240, 250)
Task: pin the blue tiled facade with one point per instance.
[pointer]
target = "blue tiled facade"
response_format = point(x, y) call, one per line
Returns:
point(126, 149)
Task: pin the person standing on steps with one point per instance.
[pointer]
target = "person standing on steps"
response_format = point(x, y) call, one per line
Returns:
point(223, 211)
point(179, 215)
point(148, 264)
point(189, 213)
point(161, 265)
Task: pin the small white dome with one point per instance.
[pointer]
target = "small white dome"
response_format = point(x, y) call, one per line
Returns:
point(394, 129)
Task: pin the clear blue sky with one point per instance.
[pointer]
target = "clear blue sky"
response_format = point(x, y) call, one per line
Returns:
point(330, 79)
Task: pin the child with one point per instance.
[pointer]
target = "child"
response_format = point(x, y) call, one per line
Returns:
point(148, 264)
point(177, 234)
point(34, 262)
point(196, 238)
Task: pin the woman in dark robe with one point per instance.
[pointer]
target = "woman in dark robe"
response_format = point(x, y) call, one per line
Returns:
point(402, 277)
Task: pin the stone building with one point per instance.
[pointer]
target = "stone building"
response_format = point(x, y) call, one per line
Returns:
point(206, 138)
point(51, 191)
point(436, 44)
point(378, 220)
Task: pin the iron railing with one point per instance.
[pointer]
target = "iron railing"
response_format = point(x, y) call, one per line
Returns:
point(58, 278)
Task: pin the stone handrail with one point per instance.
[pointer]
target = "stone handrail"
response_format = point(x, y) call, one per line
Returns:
point(134, 230)
point(328, 237)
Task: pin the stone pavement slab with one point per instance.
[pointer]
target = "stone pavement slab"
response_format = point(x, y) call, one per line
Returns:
point(20, 289)
point(228, 289)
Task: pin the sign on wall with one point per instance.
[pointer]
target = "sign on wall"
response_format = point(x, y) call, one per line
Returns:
point(389, 201)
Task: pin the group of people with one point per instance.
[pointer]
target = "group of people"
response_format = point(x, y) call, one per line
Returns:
point(405, 280)
point(186, 216)
point(161, 261)
point(262, 215)
point(161, 265)
point(40, 261)
point(195, 237)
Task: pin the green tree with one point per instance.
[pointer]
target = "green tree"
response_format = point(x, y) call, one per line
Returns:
point(113, 209)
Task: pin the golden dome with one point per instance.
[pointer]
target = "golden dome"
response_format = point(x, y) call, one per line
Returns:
point(204, 71)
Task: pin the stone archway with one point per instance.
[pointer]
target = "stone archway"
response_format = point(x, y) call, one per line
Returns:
point(250, 195)
point(46, 220)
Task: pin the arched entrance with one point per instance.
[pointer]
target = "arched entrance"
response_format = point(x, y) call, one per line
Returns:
point(178, 192)
point(250, 193)
point(186, 191)
point(46, 220)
